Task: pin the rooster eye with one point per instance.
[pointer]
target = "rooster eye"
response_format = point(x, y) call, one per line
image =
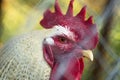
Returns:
point(62, 40)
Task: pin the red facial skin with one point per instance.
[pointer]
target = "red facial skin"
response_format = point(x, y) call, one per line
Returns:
point(64, 58)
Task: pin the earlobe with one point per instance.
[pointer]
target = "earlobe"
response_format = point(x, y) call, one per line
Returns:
point(49, 41)
point(69, 68)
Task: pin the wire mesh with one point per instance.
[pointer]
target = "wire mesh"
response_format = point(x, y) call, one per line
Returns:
point(111, 62)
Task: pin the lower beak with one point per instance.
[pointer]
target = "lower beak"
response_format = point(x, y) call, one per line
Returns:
point(88, 54)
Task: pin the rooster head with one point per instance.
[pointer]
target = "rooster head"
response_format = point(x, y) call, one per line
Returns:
point(71, 39)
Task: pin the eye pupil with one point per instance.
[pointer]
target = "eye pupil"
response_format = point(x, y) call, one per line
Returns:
point(62, 39)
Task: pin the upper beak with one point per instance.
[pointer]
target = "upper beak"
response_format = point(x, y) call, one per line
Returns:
point(88, 54)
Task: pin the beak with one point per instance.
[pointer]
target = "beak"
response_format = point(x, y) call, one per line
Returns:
point(88, 54)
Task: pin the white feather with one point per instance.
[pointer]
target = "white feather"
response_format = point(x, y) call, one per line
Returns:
point(63, 30)
point(22, 57)
point(57, 30)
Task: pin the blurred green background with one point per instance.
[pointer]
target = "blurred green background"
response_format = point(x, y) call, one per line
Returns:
point(21, 16)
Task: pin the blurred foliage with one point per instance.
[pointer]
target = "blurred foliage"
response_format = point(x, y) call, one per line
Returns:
point(14, 16)
point(115, 35)
point(20, 16)
point(31, 3)
point(96, 5)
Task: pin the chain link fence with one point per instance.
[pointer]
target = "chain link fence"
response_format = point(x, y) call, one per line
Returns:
point(106, 65)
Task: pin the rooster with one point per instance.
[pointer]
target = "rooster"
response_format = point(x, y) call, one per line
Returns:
point(54, 53)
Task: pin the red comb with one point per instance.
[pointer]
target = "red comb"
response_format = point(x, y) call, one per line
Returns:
point(57, 18)
point(83, 27)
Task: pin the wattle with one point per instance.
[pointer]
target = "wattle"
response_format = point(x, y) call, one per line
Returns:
point(67, 69)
